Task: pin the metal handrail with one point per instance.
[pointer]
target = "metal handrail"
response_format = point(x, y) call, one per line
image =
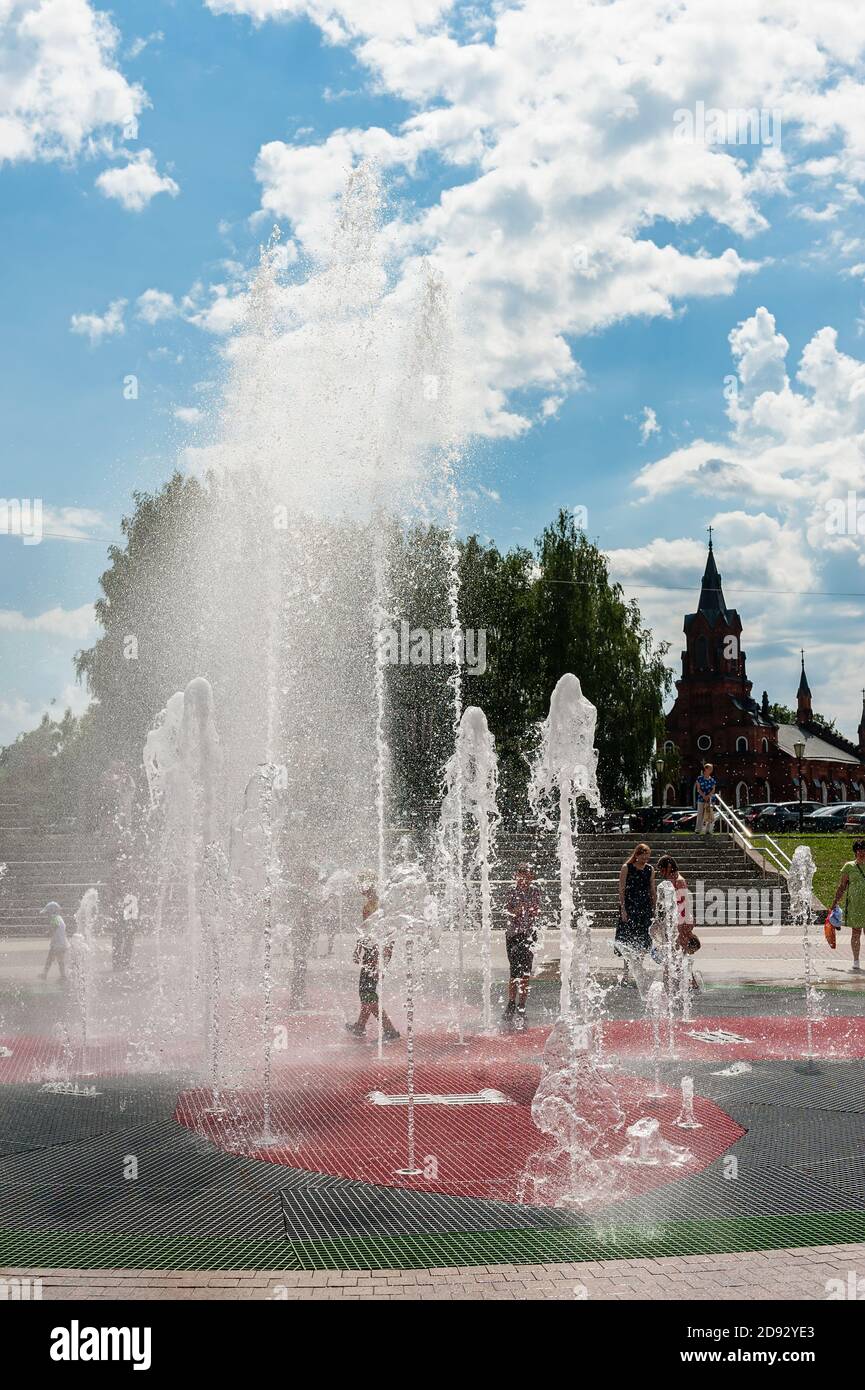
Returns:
point(771, 850)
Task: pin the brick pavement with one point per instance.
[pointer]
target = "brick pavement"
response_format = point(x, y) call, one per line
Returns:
point(771, 1275)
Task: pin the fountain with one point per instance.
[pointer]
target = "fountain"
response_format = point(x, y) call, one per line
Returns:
point(406, 911)
point(272, 782)
point(686, 1118)
point(799, 883)
point(579, 1112)
point(564, 769)
point(656, 1002)
point(647, 1146)
point(669, 922)
point(471, 780)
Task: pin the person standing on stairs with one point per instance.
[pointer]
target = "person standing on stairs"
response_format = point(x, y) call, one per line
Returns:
point(706, 788)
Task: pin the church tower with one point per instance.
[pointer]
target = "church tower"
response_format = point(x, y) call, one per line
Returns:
point(713, 708)
point(713, 655)
point(862, 729)
point(803, 698)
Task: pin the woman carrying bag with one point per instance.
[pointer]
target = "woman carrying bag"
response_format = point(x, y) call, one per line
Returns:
point(852, 890)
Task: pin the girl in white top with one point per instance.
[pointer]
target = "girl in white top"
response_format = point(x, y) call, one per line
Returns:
point(668, 869)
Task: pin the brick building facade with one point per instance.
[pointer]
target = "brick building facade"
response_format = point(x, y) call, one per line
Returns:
point(715, 719)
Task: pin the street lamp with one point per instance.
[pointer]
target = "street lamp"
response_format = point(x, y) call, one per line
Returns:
point(659, 768)
point(799, 750)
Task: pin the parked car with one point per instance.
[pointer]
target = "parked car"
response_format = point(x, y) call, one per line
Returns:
point(647, 818)
point(827, 819)
point(688, 821)
point(783, 815)
point(750, 813)
point(675, 814)
point(610, 823)
point(856, 819)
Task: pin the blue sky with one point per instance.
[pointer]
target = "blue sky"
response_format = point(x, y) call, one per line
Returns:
point(506, 140)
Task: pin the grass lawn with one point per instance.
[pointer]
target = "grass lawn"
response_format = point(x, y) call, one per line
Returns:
point(829, 851)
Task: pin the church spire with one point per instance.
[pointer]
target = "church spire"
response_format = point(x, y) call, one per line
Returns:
point(862, 727)
point(711, 594)
point(803, 697)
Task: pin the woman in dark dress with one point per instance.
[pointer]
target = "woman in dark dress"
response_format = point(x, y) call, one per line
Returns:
point(637, 898)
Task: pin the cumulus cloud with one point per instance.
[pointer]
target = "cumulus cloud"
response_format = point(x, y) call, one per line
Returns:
point(137, 183)
point(73, 523)
point(155, 305)
point(97, 327)
point(188, 414)
point(795, 445)
point(60, 90)
point(552, 128)
point(79, 623)
point(340, 20)
point(649, 424)
point(18, 714)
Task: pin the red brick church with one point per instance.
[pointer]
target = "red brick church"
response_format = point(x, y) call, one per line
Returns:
point(714, 719)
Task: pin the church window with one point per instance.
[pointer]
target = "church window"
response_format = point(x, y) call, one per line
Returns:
point(741, 745)
point(704, 743)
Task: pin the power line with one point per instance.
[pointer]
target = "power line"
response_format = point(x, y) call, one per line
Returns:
point(733, 589)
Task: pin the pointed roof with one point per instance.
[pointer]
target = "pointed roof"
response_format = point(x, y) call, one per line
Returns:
point(712, 604)
point(804, 687)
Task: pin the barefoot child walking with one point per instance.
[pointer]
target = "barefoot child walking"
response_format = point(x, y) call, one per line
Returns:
point(366, 955)
point(57, 944)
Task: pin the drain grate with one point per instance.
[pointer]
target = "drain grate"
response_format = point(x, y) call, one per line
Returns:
point(485, 1097)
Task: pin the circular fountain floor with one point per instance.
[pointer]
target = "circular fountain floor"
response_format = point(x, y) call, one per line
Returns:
point(323, 1118)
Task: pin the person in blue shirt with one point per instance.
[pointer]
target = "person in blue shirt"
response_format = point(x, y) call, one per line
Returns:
point(706, 786)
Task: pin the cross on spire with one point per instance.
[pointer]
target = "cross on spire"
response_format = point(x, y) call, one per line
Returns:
point(709, 529)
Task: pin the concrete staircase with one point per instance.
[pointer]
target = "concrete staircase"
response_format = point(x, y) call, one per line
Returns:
point(52, 863)
point(42, 864)
point(714, 861)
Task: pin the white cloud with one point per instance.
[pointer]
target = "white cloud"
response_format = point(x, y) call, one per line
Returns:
point(155, 305)
point(79, 623)
point(136, 183)
point(649, 424)
point(19, 715)
point(340, 20)
point(137, 46)
point(552, 129)
point(60, 89)
point(96, 327)
point(188, 414)
point(217, 310)
point(791, 446)
point(74, 524)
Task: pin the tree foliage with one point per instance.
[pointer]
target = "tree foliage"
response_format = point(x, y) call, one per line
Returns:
point(543, 612)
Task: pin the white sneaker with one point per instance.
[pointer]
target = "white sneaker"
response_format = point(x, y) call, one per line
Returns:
point(856, 968)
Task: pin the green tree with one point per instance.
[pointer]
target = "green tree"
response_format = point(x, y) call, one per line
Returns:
point(783, 714)
point(582, 623)
point(152, 610)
